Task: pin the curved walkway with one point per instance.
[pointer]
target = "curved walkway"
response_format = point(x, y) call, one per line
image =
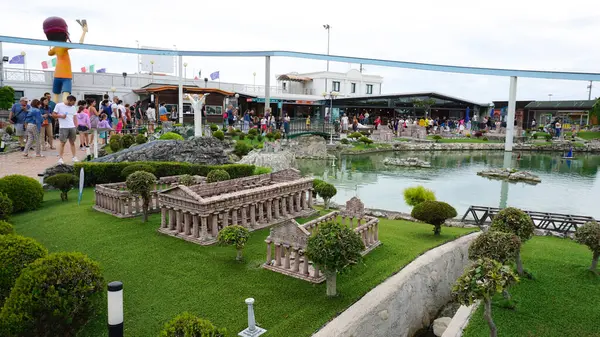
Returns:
point(15, 163)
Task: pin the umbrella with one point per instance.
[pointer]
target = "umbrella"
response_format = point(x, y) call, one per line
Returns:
point(467, 115)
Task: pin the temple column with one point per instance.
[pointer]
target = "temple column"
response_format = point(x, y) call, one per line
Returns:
point(298, 202)
point(253, 215)
point(225, 219)
point(163, 217)
point(343, 220)
point(316, 273)
point(296, 259)
point(291, 209)
point(288, 254)
point(195, 229)
point(203, 224)
point(303, 202)
point(186, 223)
point(284, 211)
point(234, 216)
point(261, 218)
point(268, 251)
point(305, 264)
point(310, 199)
point(269, 210)
point(178, 221)
point(215, 225)
point(244, 215)
point(278, 249)
point(171, 219)
point(127, 206)
point(156, 202)
point(376, 231)
point(276, 205)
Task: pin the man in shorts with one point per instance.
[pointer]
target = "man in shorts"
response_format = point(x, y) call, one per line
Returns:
point(19, 112)
point(66, 113)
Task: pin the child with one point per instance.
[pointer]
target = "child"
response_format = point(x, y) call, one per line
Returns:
point(83, 126)
point(103, 124)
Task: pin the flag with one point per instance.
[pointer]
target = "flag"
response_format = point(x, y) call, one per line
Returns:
point(214, 75)
point(83, 69)
point(81, 183)
point(92, 68)
point(45, 65)
point(19, 59)
point(101, 71)
point(53, 62)
point(196, 78)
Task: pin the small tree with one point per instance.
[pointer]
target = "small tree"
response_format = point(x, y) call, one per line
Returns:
point(514, 220)
point(498, 246)
point(7, 97)
point(186, 180)
point(236, 236)
point(219, 135)
point(433, 212)
point(333, 248)
point(326, 191)
point(141, 183)
point(481, 282)
point(188, 325)
point(416, 195)
point(63, 182)
point(217, 175)
point(589, 235)
point(365, 140)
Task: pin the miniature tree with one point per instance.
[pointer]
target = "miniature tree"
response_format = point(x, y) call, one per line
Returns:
point(416, 195)
point(499, 246)
point(217, 175)
point(589, 235)
point(481, 282)
point(186, 180)
point(513, 220)
point(234, 235)
point(141, 183)
point(433, 212)
point(326, 191)
point(64, 182)
point(333, 248)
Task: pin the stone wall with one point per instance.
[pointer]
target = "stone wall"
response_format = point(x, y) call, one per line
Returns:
point(407, 301)
point(554, 146)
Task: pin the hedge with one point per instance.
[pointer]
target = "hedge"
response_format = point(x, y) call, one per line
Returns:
point(104, 173)
point(6, 228)
point(26, 193)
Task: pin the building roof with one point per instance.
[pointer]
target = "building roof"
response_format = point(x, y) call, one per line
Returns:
point(561, 105)
point(290, 97)
point(154, 87)
point(415, 94)
point(294, 78)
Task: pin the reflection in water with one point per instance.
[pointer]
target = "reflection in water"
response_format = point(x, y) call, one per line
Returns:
point(568, 186)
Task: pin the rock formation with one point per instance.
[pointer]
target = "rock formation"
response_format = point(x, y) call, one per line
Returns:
point(277, 161)
point(308, 147)
point(408, 162)
point(510, 175)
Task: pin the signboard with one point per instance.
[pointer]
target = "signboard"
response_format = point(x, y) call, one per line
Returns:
point(272, 100)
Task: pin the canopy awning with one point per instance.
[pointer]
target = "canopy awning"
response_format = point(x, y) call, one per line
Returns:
point(293, 78)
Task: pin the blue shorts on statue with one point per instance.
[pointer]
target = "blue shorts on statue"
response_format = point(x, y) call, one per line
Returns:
point(61, 85)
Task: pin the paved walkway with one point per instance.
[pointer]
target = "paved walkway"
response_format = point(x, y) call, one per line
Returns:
point(15, 163)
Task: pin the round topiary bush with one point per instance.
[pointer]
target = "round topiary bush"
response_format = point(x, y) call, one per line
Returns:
point(499, 246)
point(548, 137)
point(170, 136)
point(253, 132)
point(6, 206)
point(25, 193)
point(515, 221)
point(355, 135)
point(433, 212)
point(234, 236)
point(6, 228)
point(589, 235)
point(54, 296)
point(140, 139)
point(10, 130)
point(277, 135)
point(535, 136)
point(344, 141)
point(416, 195)
point(260, 138)
point(127, 140)
point(141, 183)
point(137, 167)
point(188, 325)
point(241, 149)
point(214, 127)
point(16, 253)
point(365, 140)
point(186, 180)
point(114, 143)
point(219, 135)
point(485, 139)
point(217, 175)
point(326, 191)
point(241, 136)
point(63, 182)
point(437, 137)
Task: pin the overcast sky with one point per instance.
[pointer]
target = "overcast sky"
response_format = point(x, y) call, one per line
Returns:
point(524, 34)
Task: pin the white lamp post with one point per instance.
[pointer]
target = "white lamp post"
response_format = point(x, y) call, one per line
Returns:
point(185, 70)
point(254, 83)
point(115, 309)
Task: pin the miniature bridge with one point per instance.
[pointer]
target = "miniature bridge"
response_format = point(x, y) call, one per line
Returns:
point(562, 223)
point(298, 127)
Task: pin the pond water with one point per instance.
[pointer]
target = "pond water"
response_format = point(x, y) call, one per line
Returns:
point(568, 186)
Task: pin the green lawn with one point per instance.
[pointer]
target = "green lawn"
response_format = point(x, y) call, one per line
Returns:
point(164, 276)
point(587, 135)
point(563, 300)
point(465, 140)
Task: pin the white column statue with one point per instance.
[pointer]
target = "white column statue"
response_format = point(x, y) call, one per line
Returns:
point(197, 103)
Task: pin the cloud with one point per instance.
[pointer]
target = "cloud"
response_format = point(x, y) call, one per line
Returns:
point(507, 34)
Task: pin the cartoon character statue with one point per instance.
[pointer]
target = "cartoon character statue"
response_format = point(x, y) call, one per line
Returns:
point(197, 103)
point(56, 29)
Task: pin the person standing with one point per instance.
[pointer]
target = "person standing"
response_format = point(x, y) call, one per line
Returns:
point(17, 116)
point(83, 126)
point(286, 124)
point(66, 113)
point(94, 118)
point(246, 126)
point(33, 126)
point(151, 116)
point(533, 124)
point(308, 122)
point(230, 119)
point(47, 124)
point(114, 108)
point(558, 128)
point(345, 123)
point(377, 122)
point(162, 113)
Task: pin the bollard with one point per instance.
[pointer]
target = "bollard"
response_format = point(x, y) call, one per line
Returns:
point(115, 309)
point(252, 330)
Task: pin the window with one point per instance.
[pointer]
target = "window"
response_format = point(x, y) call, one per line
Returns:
point(284, 86)
point(369, 89)
point(18, 95)
point(353, 88)
point(214, 110)
point(336, 86)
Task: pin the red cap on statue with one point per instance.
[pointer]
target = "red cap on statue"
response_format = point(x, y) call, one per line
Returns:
point(56, 29)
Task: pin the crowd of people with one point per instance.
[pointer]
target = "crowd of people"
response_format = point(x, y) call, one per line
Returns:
point(267, 122)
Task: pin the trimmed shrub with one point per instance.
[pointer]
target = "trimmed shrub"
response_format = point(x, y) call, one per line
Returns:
point(251, 137)
point(589, 235)
point(140, 139)
point(535, 136)
point(63, 182)
point(141, 183)
point(116, 137)
point(437, 138)
point(9, 130)
point(217, 175)
point(241, 149)
point(515, 221)
point(485, 139)
point(334, 248)
point(241, 136)
point(219, 135)
point(136, 167)
point(213, 127)
point(25, 193)
point(262, 170)
point(6, 228)
point(54, 296)
point(253, 132)
point(344, 141)
point(277, 135)
point(434, 213)
point(355, 135)
point(234, 236)
point(548, 137)
point(365, 140)
point(270, 136)
point(6, 206)
point(326, 191)
point(188, 325)
point(468, 135)
point(186, 180)
point(260, 138)
point(170, 136)
point(498, 246)
point(127, 140)
point(114, 144)
point(16, 253)
point(416, 195)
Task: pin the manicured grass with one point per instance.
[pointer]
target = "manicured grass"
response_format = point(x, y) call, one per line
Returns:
point(164, 276)
point(561, 301)
point(402, 139)
point(465, 140)
point(587, 135)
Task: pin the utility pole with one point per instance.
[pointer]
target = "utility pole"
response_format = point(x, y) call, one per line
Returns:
point(590, 91)
point(328, 28)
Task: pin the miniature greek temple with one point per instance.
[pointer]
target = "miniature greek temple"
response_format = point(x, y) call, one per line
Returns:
point(115, 199)
point(287, 241)
point(197, 213)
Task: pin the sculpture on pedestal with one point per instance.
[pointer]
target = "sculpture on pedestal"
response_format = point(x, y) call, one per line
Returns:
point(56, 29)
point(197, 103)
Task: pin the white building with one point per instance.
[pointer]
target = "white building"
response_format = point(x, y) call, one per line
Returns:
point(349, 84)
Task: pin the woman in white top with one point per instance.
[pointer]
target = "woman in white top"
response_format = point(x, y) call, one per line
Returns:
point(344, 123)
point(151, 115)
